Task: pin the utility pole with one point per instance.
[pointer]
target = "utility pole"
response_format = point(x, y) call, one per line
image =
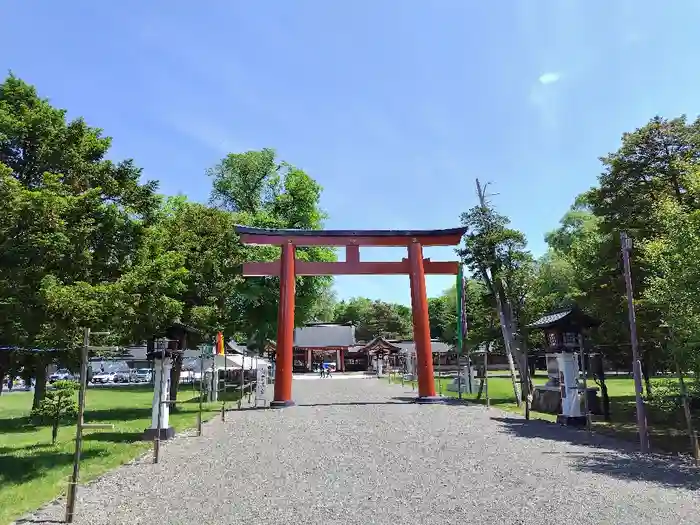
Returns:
point(73, 483)
point(626, 244)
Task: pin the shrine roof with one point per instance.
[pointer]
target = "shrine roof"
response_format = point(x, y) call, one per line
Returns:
point(378, 344)
point(569, 317)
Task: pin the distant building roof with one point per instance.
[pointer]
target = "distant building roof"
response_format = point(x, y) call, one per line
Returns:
point(378, 345)
point(403, 346)
point(409, 346)
point(325, 335)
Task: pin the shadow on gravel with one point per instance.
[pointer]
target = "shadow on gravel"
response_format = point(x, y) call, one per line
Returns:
point(37, 520)
point(662, 470)
point(351, 403)
point(618, 460)
point(545, 430)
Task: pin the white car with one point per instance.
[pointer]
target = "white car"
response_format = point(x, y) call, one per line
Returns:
point(122, 377)
point(104, 377)
point(61, 374)
point(143, 375)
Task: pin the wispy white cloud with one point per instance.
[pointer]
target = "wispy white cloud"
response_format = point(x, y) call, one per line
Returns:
point(206, 132)
point(549, 78)
point(546, 97)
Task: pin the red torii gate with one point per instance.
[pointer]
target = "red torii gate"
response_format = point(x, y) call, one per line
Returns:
point(287, 268)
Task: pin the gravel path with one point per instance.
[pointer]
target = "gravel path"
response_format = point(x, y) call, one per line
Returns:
point(355, 452)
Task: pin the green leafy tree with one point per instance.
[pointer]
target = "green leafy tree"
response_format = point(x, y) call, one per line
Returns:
point(375, 318)
point(58, 405)
point(69, 215)
point(673, 288)
point(497, 255)
point(654, 163)
point(266, 193)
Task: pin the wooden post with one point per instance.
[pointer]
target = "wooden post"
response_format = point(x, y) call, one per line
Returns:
point(223, 388)
point(73, 484)
point(486, 375)
point(421, 326)
point(642, 430)
point(285, 330)
point(584, 371)
point(201, 390)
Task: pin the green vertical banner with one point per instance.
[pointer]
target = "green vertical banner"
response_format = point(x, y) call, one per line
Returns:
point(460, 311)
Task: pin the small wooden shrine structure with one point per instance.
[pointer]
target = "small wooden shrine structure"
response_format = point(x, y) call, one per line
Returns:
point(563, 332)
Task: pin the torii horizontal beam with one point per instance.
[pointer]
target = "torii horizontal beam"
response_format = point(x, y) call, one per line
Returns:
point(449, 237)
point(306, 268)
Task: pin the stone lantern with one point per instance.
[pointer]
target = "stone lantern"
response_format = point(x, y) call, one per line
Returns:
point(561, 395)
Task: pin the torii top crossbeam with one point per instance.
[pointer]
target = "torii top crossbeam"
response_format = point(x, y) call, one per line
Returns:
point(352, 240)
point(449, 237)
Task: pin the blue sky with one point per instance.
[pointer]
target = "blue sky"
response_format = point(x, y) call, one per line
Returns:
point(395, 107)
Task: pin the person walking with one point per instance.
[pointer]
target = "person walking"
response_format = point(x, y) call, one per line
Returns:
point(328, 370)
point(322, 370)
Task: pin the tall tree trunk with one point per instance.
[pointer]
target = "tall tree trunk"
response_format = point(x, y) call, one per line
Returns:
point(54, 431)
point(505, 314)
point(599, 374)
point(176, 371)
point(647, 378)
point(508, 339)
point(40, 383)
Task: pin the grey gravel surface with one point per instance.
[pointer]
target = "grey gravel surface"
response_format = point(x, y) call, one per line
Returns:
point(356, 452)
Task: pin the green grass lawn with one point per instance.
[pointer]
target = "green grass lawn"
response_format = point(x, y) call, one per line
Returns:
point(666, 433)
point(33, 472)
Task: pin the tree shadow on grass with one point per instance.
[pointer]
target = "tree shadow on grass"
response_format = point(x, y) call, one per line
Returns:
point(13, 425)
point(115, 437)
point(117, 414)
point(16, 468)
point(610, 456)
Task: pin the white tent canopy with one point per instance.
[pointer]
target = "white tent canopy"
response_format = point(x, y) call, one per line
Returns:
point(220, 362)
point(248, 362)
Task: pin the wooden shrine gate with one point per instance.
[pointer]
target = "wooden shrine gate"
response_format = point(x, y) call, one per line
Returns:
point(287, 268)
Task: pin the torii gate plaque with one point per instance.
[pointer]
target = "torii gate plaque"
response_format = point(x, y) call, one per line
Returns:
point(287, 268)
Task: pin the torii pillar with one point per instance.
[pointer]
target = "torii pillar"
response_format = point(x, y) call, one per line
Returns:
point(285, 330)
point(288, 268)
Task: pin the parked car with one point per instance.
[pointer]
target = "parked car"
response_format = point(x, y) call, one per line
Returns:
point(103, 377)
point(62, 374)
point(122, 377)
point(142, 375)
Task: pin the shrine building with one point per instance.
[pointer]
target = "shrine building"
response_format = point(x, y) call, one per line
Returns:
point(317, 343)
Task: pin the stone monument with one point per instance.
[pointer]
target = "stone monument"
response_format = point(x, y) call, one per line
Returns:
point(469, 384)
point(160, 408)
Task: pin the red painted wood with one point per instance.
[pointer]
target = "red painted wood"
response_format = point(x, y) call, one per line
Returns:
point(438, 240)
point(285, 328)
point(352, 254)
point(421, 322)
point(258, 269)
